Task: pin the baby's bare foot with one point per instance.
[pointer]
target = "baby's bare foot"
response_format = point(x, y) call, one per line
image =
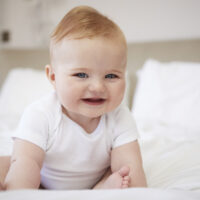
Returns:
point(117, 180)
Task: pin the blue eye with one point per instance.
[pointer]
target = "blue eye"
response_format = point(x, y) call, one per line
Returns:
point(81, 75)
point(111, 76)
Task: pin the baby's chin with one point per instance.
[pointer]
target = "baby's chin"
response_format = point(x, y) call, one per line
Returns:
point(92, 113)
point(95, 113)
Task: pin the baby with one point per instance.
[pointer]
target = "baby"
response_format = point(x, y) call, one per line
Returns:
point(79, 136)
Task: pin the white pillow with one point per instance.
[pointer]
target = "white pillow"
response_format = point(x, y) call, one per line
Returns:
point(21, 87)
point(169, 94)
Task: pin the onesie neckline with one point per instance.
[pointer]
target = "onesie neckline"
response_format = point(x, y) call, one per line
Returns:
point(95, 132)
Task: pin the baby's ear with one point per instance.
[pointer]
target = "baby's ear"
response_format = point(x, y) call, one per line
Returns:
point(50, 73)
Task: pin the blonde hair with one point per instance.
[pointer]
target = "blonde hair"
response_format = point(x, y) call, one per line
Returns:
point(85, 22)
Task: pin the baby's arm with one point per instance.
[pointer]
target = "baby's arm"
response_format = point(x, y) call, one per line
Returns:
point(26, 163)
point(129, 155)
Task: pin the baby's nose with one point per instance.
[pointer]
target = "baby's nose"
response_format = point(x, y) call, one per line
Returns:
point(97, 86)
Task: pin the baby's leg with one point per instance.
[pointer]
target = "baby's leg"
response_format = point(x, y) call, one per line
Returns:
point(4, 167)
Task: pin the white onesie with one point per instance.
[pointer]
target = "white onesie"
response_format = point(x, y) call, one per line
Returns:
point(74, 159)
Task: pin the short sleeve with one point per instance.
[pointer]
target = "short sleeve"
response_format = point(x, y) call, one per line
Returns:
point(33, 127)
point(125, 129)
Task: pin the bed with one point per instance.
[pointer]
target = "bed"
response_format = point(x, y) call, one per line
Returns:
point(163, 93)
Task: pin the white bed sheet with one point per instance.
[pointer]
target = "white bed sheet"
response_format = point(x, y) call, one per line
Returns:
point(126, 194)
point(171, 164)
point(8, 125)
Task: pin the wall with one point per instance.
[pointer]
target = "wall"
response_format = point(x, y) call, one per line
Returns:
point(151, 20)
point(31, 21)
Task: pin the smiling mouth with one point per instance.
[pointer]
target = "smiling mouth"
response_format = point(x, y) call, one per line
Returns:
point(94, 101)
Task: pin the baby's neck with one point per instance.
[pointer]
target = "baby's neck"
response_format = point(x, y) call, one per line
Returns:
point(91, 125)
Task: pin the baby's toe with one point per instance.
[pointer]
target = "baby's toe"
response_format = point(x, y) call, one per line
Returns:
point(125, 183)
point(126, 178)
point(124, 171)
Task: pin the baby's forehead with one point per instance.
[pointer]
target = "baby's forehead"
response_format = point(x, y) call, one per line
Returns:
point(118, 38)
point(66, 46)
point(89, 53)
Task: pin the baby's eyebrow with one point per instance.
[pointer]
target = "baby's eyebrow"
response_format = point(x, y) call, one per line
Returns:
point(115, 71)
point(80, 69)
point(85, 69)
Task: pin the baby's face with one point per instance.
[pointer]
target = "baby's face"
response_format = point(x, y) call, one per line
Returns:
point(89, 76)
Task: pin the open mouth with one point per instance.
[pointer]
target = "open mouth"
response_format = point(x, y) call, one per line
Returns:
point(94, 101)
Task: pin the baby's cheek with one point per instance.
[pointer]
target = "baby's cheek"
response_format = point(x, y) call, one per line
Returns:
point(118, 94)
point(121, 90)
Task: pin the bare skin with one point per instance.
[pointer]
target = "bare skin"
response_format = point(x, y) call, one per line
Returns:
point(1, 187)
point(117, 180)
point(5, 164)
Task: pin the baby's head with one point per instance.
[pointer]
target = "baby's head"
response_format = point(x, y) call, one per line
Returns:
point(88, 63)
